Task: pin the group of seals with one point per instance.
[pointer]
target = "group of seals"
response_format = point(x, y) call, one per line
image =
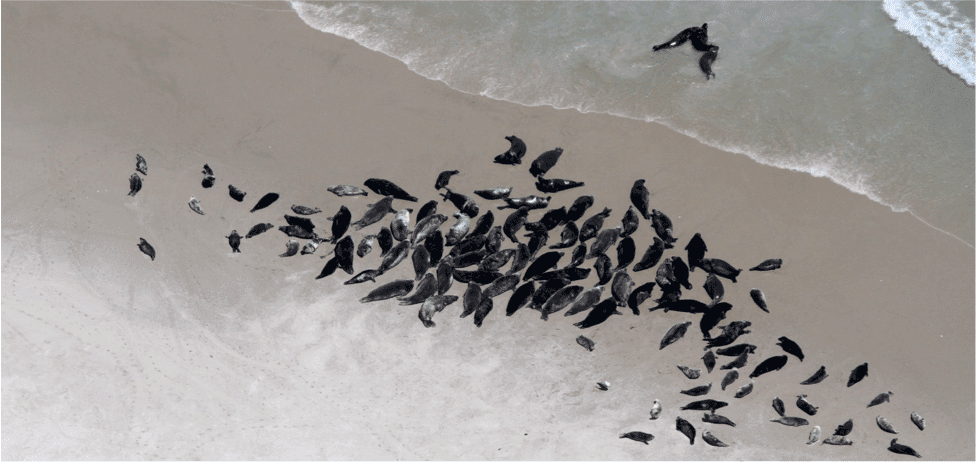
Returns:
point(476, 259)
point(699, 40)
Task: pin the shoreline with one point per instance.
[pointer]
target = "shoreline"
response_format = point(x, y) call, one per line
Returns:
point(269, 363)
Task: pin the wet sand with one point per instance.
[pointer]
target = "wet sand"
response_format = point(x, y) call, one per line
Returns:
point(212, 355)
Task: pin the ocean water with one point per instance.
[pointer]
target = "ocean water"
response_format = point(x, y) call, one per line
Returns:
point(876, 97)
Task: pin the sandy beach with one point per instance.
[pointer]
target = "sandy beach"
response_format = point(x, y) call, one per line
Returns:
point(206, 354)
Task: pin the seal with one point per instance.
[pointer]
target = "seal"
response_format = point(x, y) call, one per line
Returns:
point(556, 185)
point(639, 296)
point(641, 198)
point(421, 262)
point(483, 225)
point(817, 377)
point(663, 227)
point(502, 285)
point(600, 313)
point(585, 343)
point(709, 360)
point(680, 270)
point(147, 249)
point(301, 222)
point(730, 378)
point(835, 440)
point(604, 269)
point(297, 231)
point(568, 237)
point(515, 222)
point(368, 275)
point(651, 256)
point(814, 435)
point(514, 154)
point(532, 202)
point(621, 287)
point(471, 299)
point(696, 251)
point(375, 213)
point(790, 347)
point(697, 35)
point(739, 361)
point(792, 421)
point(135, 184)
point(586, 300)
point(389, 290)
point(686, 429)
point(394, 256)
point(704, 405)
point(434, 304)
point(546, 291)
point(541, 165)
point(656, 409)
point(720, 268)
point(497, 260)
point(427, 210)
point(329, 268)
point(482, 311)
point(805, 406)
point(769, 365)
point(845, 428)
point(463, 203)
point(640, 437)
point(343, 190)
point(235, 241)
point(344, 254)
point(709, 438)
point(882, 398)
point(208, 176)
point(858, 374)
point(559, 300)
point(698, 391)
point(542, 264)
point(236, 193)
point(689, 372)
point(779, 407)
point(445, 276)
point(759, 297)
point(768, 265)
point(265, 201)
point(195, 205)
point(604, 240)
point(919, 421)
point(729, 334)
point(388, 188)
point(630, 222)
point(578, 208)
point(717, 419)
point(444, 178)
point(459, 229)
point(494, 193)
point(579, 254)
point(365, 245)
point(425, 289)
point(885, 425)
point(400, 226)
point(736, 350)
point(291, 248)
point(141, 165)
point(520, 298)
point(713, 315)
point(902, 449)
point(492, 241)
point(675, 333)
point(592, 225)
point(603, 386)
point(706, 61)
point(302, 210)
point(425, 227)
point(258, 229)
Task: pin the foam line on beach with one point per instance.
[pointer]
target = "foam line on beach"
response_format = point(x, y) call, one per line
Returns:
point(949, 36)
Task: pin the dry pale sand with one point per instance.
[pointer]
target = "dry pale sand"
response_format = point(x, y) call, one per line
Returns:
point(204, 354)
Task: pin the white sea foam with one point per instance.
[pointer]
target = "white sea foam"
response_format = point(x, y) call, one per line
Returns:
point(940, 27)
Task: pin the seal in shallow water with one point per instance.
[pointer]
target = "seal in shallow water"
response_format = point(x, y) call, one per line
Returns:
point(697, 35)
point(705, 63)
